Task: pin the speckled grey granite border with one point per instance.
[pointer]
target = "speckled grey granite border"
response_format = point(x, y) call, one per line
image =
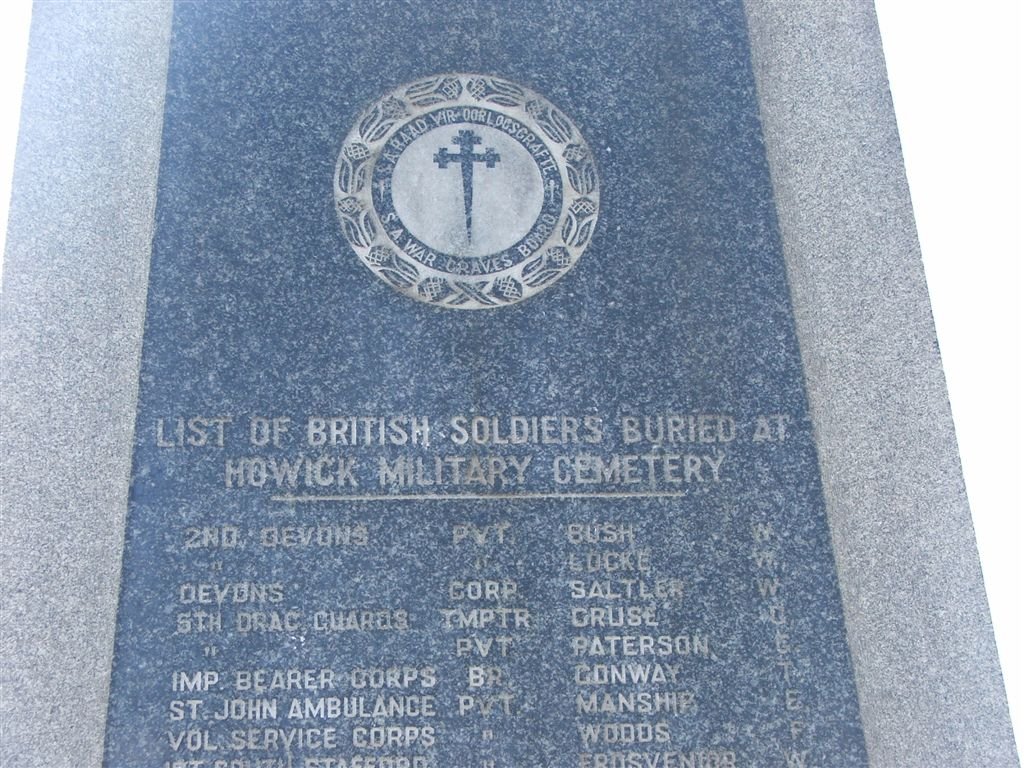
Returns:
point(73, 310)
point(73, 305)
point(917, 619)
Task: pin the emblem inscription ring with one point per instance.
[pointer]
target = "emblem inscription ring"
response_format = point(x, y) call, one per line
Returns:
point(466, 191)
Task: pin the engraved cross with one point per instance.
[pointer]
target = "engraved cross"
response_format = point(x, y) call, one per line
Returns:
point(466, 157)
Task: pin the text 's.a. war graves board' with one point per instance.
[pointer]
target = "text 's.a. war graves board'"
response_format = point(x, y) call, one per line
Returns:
point(478, 420)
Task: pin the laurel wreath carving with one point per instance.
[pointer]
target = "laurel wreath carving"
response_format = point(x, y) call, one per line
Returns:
point(546, 267)
point(356, 222)
point(579, 223)
point(355, 206)
point(400, 272)
point(381, 117)
point(554, 124)
point(580, 168)
point(495, 91)
point(436, 90)
point(352, 167)
point(438, 290)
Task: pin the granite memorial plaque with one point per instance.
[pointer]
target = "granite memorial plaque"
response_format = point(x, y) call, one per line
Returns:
point(472, 424)
point(580, 525)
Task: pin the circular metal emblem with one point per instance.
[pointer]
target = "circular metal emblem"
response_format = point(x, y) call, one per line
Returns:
point(466, 191)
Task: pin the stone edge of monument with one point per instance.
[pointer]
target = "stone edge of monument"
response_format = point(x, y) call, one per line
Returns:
point(74, 293)
point(73, 310)
point(901, 527)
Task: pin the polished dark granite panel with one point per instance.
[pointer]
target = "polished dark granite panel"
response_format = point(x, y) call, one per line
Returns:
point(585, 528)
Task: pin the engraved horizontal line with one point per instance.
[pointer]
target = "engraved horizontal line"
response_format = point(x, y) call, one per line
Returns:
point(307, 499)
